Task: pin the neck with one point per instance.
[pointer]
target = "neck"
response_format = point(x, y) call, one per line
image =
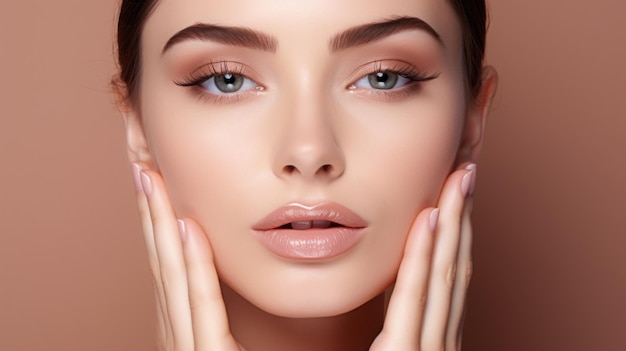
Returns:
point(258, 330)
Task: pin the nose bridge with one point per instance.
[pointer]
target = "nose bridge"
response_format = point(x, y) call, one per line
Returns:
point(308, 146)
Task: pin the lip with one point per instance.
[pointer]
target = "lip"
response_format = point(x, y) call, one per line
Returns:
point(317, 239)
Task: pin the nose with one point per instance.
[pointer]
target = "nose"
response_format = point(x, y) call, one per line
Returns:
point(308, 147)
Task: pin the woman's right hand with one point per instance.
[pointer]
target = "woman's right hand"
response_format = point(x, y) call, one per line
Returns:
point(191, 315)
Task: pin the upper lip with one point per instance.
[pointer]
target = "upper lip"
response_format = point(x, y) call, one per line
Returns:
point(295, 212)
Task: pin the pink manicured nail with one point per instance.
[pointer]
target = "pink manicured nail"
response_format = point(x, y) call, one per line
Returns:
point(137, 176)
point(146, 184)
point(434, 217)
point(182, 229)
point(468, 182)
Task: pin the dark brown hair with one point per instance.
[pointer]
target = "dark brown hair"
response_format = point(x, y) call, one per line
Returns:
point(131, 20)
point(134, 13)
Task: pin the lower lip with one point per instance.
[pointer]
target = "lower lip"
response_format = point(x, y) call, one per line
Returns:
point(309, 244)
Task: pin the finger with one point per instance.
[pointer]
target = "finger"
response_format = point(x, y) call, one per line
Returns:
point(209, 320)
point(171, 262)
point(164, 332)
point(463, 277)
point(408, 300)
point(444, 264)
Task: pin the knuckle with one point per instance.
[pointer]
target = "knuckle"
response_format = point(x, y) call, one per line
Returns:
point(422, 299)
point(155, 267)
point(451, 275)
point(165, 283)
point(197, 304)
point(468, 273)
point(143, 212)
point(156, 279)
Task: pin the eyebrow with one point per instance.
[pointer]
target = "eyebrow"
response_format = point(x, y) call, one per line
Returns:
point(236, 36)
point(371, 32)
point(249, 38)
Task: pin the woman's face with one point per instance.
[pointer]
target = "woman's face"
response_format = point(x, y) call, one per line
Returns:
point(272, 120)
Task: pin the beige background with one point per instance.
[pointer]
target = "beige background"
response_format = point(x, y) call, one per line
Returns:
point(550, 209)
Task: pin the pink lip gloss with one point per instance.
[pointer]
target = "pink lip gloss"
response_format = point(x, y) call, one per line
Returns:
point(320, 232)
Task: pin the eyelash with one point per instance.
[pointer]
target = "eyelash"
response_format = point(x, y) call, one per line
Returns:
point(403, 69)
point(408, 71)
point(201, 75)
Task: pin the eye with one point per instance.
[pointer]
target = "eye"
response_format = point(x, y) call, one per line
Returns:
point(222, 81)
point(384, 80)
point(387, 77)
point(227, 83)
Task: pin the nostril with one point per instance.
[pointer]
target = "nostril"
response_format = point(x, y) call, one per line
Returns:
point(289, 169)
point(324, 170)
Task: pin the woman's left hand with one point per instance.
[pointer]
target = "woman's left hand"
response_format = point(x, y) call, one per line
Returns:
point(426, 308)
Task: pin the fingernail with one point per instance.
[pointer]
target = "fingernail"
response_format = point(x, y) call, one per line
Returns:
point(469, 181)
point(137, 176)
point(434, 217)
point(146, 184)
point(182, 230)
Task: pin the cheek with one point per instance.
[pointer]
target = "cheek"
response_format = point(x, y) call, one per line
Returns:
point(403, 155)
point(400, 171)
point(207, 155)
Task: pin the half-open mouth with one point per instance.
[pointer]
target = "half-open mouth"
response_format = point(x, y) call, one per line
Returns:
point(300, 232)
point(303, 225)
point(327, 215)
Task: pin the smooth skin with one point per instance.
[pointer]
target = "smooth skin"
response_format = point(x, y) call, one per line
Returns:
point(425, 311)
point(391, 158)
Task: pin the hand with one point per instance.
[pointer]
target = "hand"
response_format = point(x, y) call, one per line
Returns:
point(190, 309)
point(426, 308)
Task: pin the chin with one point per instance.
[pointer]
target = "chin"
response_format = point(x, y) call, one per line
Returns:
point(318, 294)
point(305, 307)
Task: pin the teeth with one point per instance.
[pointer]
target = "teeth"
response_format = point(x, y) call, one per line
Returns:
point(301, 225)
point(310, 224)
point(321, 224)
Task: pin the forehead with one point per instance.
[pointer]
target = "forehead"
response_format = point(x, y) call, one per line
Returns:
point(310, 22)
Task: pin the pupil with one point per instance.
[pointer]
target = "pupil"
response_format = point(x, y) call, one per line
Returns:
point(229, 79)
point(381, 77)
